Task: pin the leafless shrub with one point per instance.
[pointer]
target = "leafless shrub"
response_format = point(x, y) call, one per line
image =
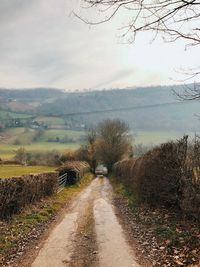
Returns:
point(17, 192)
point(161, 170)
point(190, 183)
point(168, 175)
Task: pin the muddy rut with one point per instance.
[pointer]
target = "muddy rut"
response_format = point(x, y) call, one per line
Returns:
point(89, 235)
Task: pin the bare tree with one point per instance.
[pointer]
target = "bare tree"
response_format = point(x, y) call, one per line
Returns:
point(91, 146)
point(113, 141)
point(189, 92)
point(87, 152)
point(175, 18)
point(172, 19)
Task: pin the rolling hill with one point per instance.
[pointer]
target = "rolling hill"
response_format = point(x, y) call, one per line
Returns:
point(145, 109)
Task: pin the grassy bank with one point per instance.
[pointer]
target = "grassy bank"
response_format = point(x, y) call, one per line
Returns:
point(29, 225)
point(7, 171)
point(165, 236)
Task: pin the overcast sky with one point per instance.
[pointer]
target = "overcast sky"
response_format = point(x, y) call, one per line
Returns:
point(43, 45)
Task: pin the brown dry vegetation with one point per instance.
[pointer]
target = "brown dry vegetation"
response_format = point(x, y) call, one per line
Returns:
point(17, 192)
point(162, 177)
point(162, 236)
point(163, 188)
point(23, 231)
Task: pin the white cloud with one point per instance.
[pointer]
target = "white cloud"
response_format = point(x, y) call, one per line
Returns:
point(43, 45)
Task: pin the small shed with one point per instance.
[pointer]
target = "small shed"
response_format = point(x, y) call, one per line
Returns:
point(75, 170)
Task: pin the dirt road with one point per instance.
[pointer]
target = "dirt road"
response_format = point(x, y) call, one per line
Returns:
point(89, 235)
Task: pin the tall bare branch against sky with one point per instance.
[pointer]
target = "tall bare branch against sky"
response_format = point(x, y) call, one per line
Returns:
point(175, 19)
point(44, 45)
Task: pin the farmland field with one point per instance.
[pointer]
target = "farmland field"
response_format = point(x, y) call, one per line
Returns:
point(26, 135)
point(20, 135)
point(7, 148)
point(7, 114)
point(50, 120)
point(7, 151)
point(7, 171)
point(155, 137)
point(14, 138)
point(75, 135)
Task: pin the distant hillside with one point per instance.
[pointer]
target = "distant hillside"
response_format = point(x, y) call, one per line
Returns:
point(26, 100)
point(148, 109)
point(110, 99)
point(29, 94)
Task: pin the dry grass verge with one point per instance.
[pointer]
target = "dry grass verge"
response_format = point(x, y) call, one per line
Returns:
point(163, 236)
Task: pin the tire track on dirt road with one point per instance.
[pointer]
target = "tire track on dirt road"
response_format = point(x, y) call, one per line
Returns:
point(90, 234)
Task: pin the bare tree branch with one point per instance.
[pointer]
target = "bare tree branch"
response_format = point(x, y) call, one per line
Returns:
point(176, 18)
point(189, 92)
point(172, 19)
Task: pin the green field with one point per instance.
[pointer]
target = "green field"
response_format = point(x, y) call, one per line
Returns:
point(7, 171)
point(51, 133)
point(7, 151)
point(14, 138)
point(155, 137)
point(20, 135)
point(8, 115)
point(50, 120)
point(25, 135)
